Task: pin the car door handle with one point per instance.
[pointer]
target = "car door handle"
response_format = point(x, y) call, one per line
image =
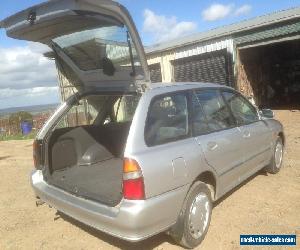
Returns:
point(246, 134)
point(212, 145)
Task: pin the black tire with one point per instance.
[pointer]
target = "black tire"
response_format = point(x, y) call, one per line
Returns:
point(274, 167)
point(182, 231)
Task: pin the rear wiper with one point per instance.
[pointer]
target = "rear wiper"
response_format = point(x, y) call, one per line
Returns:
point(130, 53)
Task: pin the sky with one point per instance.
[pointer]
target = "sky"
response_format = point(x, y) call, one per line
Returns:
point(27, 78)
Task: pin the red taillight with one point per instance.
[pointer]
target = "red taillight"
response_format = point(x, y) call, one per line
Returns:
point(133, 189)
point(133, 181)
point(37, 154)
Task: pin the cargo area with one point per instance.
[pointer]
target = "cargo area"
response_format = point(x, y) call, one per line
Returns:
point(270, 74)
point(86, 148)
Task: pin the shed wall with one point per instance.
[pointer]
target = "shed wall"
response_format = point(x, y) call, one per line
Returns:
point(167, 58)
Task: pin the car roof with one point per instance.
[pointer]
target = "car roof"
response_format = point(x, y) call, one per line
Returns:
point(176, 86)
point(160, 88)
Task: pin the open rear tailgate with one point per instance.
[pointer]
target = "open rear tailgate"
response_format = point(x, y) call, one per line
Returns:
point(46, 21)
point(58, 18)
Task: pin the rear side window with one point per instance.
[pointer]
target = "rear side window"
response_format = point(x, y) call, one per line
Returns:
point(83, 112)
point(217, 113)
point(100, 110)
point(167, 119)
point(124, 108)
point(242, 110)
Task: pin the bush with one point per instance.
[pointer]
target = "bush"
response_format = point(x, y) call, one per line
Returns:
point(15, 120)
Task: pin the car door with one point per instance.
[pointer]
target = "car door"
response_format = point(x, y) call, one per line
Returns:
point(170, 147)
point(255, 132)
point(217, 136)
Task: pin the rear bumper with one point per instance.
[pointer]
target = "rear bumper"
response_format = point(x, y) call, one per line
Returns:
point(130, 220)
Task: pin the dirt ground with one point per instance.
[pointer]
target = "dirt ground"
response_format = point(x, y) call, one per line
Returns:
point(265, 204)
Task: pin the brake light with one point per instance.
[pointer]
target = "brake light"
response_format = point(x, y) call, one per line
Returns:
point(133, 181)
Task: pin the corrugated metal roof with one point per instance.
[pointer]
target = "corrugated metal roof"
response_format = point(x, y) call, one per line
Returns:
point(228, 30)
point(279, 31)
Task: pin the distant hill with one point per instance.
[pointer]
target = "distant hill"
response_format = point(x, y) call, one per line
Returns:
point(31, 109)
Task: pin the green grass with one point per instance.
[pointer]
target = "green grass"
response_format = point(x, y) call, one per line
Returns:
point(17, 137)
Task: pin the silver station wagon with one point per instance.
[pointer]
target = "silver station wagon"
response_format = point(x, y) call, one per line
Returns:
point(129, 157)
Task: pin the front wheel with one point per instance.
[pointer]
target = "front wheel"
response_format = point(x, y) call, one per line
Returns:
point(194, 220)
point(276, 161)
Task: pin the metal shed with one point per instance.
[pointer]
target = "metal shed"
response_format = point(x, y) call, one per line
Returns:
point(241, 55)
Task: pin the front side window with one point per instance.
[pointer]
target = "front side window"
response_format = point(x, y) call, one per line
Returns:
point(242, 110)
point(167, 119)
point(216, 112)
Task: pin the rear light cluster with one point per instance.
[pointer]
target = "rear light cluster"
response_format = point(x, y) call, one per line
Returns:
point(133, 181)
point(37, 153)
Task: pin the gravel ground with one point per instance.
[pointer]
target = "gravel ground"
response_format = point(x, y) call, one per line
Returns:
point(265, 204)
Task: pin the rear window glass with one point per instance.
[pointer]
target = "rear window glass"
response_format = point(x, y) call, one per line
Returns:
point(91, 49)
point(167, 119)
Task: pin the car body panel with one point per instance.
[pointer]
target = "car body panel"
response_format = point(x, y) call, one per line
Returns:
point(130, 220)
point(223, 152)
point(257, 143)
point(172, 164)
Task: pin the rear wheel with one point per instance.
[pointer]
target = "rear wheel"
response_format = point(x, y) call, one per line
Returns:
point(277, 157)
point(194, 220)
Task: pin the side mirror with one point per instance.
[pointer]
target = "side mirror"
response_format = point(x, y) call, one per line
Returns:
point(267, 113)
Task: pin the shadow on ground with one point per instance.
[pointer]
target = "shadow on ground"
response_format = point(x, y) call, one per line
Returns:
point(150, 243)
point(147, 244)
point(4, 157)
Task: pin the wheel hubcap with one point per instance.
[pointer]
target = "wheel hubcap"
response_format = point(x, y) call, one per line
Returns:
point(199, 215)
point(278, 155)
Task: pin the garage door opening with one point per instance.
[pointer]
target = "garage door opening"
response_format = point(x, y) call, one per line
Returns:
point(213, 67)
point(271, 74)
point(155, 72)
